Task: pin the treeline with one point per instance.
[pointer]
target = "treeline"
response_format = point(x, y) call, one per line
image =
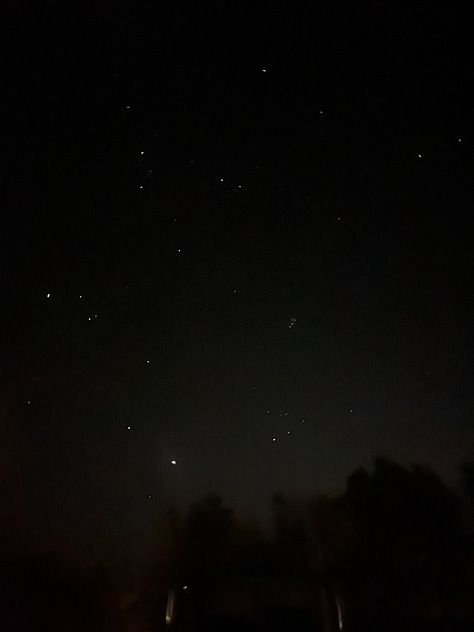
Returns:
point(397, 545)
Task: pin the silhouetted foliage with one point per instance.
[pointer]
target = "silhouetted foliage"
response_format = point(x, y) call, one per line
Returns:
point(393, 544)
point(292, 532)
point(207, 534)
point(409, 541)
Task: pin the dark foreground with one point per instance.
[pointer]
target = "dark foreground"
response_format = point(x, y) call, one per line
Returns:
point(37, 594)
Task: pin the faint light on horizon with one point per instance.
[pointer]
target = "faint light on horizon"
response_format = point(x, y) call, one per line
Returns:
point(169, 616)
point(173, 462)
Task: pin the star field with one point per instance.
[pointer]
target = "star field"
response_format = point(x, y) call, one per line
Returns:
point(235, 258)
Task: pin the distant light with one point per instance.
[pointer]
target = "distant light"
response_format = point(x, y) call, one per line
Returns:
point(150, 496)
point(274, 439)
point(340, 614)
point(185, 587)
point(128, 427)
point(459, 140)
point(173, 462)
point(80, 295)
point(48, 295)
point(148, 361)
point(29, 402)
point(170, 608)
point(419, 155)
point(141, 153)
point(222, 179)
point(263, 70)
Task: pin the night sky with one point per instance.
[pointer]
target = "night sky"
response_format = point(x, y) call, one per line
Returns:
point(235, 255)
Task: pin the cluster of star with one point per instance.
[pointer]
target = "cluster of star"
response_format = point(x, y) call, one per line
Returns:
point(284, 425)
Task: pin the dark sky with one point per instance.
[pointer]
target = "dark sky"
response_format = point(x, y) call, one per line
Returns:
point(235, 254)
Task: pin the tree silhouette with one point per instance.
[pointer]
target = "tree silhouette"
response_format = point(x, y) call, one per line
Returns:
point(408, 539)
point(208, 529)
point(393, 543)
